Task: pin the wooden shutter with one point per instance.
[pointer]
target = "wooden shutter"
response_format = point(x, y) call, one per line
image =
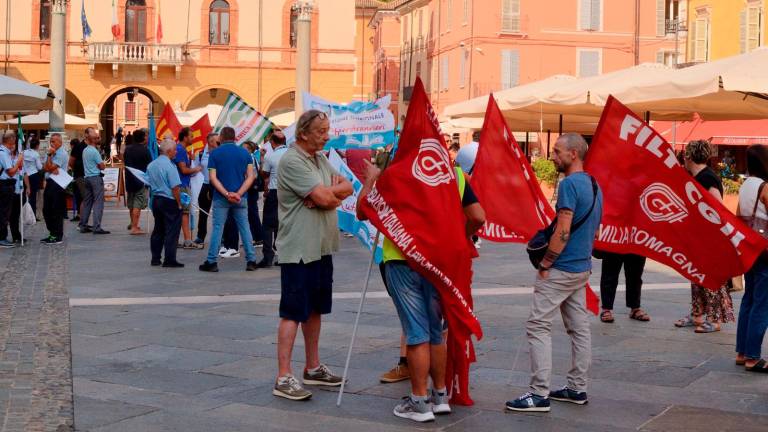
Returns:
point(448, 14)
point(743, 31)
point(510, 68)
point(661, 17)
point(444, 78)
point(596, 14)
point(510, 16)
point(660, 57)
point(589, 63)
point(753, 27)
point(702, 36)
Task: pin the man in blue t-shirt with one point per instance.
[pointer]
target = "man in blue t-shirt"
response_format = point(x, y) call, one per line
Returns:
point(231, 173)
point(562, 279)
point(185, 174)
point(94, 184)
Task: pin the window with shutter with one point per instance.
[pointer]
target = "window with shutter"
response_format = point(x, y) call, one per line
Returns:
point(701, 50)
point(444, 76)
point(660, 57)
point(510, 68)
point(448, 14)
point(743, 31)
point(589, 63)
point(421, 18)
point(590, 14)
point(661, 17)
point(510, 16)
point(466, 11)
point(754, 24)
point(462, 70)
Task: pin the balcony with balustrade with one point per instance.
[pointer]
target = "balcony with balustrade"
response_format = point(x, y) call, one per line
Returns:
point(136, 53)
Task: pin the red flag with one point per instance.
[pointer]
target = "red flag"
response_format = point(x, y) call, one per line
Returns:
point(115, 25)
point(199, 132)
point(505, 184)
point(416, 205)
point(159, 32)
point(168, 123)
point(652, 206)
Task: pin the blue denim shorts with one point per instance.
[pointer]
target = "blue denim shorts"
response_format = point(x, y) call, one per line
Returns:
point(417, 304)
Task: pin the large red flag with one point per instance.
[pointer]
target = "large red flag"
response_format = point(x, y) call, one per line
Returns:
point(168, 123)
point(198, 132)
point(653, 207)
point(506, 186)
point(416, 204)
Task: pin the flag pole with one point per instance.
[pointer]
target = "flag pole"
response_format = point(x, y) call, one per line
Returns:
point(362, 298)
point(357, 317)
point(20, 153)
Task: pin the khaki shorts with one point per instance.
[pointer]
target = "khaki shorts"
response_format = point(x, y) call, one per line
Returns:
point(188, 191)
point(137, 200)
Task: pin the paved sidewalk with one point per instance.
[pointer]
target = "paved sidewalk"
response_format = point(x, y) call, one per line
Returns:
point(203, 357)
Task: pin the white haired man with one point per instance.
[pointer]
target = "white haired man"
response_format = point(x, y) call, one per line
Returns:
point(165, 183)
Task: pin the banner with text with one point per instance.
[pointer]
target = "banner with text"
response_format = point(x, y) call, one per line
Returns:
point(653, 207)
point(356, 124)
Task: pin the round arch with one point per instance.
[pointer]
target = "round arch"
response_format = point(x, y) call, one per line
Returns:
point(74, 105)
point(213, 94)
point(106, 108)
point(282, 102)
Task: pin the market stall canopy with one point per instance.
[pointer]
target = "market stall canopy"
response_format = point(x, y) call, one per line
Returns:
point(41, 121)
point(17, 96)
point(730, 132)
point(513, 98)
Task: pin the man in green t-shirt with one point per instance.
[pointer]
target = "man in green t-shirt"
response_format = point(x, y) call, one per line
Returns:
point(309, 190)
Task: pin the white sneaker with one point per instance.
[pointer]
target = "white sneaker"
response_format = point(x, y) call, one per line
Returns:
point(222, 250)
point(478, 243)
point(230, 253)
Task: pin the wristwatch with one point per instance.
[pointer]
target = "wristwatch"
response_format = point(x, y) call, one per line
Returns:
point(542, 268)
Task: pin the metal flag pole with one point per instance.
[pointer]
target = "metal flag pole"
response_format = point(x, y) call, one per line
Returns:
point(357, 317)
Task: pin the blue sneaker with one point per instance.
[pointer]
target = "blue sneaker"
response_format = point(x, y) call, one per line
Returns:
point(567, 395)
point(529, 402)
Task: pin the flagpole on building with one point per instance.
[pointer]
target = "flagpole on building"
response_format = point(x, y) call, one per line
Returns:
point(357, 317)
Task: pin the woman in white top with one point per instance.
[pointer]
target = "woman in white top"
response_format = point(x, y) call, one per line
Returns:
point(33, 172)
point(753, 313)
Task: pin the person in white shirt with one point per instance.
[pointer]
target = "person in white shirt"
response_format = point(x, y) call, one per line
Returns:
point(33, 172)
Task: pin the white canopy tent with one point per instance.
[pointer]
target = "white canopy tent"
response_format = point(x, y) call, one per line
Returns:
point(41, 121)
point(17, 96)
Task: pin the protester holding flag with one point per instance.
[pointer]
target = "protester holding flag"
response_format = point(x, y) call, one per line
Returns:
point(54, 196)
point(136, 156)
point(715, 304)
point(561, 281)
point(163, 178)
point(609, 282)
point(186, 171)
point(753, 313)
point(205, 198)
point(269, 173)
point(309, 190)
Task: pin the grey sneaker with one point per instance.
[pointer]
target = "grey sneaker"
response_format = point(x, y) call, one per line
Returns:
point(439, 402)
point(322, 376)
point(288, 387)
point(417, 411)
point(6, 244)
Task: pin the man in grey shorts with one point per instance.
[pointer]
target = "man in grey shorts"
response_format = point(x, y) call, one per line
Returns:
point(561, 282)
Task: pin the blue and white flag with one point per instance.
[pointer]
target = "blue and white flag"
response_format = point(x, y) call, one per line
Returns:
point(347, 212)
point(84, 21)
point(367, 125)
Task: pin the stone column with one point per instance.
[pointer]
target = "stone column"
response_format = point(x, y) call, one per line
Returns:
point(303, 51)
point(58, 64)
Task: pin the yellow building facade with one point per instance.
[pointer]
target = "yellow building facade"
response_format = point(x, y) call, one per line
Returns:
point(208, 49)
point(723, 28)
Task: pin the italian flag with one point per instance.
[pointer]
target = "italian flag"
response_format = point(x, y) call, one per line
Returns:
point(115, 25)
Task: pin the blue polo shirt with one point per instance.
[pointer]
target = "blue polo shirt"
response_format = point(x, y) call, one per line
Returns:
point(163, 176)
point(60, 159)
point(182, 156)
point(575, 193)
point(91, 160)
point(231, 165)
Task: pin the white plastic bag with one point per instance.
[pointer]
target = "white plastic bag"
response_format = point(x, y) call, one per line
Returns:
point(28, 215)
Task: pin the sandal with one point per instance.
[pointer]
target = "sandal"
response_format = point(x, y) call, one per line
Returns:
point(706, 327)
point(606, 316)
point(760, 367)
point(740, 361)
point(639, 315)
point(685, 322)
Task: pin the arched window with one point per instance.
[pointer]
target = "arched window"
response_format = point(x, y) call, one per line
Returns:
point(135, 21)
point(45, 20)
point(218, 23)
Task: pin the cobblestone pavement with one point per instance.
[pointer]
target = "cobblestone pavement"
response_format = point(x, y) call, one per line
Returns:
point(35, 349)
point(164, 350)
